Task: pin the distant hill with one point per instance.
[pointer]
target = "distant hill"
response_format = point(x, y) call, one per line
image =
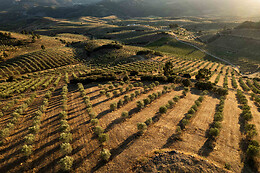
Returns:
point(135, 8)
point(249, 25)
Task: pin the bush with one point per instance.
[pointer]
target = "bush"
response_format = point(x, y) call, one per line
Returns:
point(213, 132)
point(140, 104)
point(188, 116)
point(191, 111)
point(108, 95)
point(218, 116)
point(198, 103)
point(63, 115)
point(142, 127)
point(34, 129)
point(92, 115)
point(4, 133)
point(102, 92)
point(103, 138)
point(64, 127)
point(253, 149)
point(105, 154)
point(176, 98)
point(126, 98)
point(147, 101)
point(94, 122)
point(26, 150)
point(217, 124)
point(115, 93)
point(66, 163)
point(148, 121)
point(66, 137)
point(163, 109)
point(171, 103)
point(29, 139)
point(132, 96)
point(125, 114)
point(98, 130)
point(184, 123)
point(201, 98)
point(66, 148)
point(186, 82)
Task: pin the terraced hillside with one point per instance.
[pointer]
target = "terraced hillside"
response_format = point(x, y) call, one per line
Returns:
point(111, 95)
point(96, 118)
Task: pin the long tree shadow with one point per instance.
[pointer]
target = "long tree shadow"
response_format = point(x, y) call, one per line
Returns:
point(120, 120)
point(11, 165)
point(116, 151)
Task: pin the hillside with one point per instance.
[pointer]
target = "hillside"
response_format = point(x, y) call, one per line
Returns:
point(134, 8)
point(112, 94)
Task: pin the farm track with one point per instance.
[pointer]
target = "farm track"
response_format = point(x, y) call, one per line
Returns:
point(227, 143)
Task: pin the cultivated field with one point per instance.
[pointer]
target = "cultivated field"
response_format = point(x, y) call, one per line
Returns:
point(75, 103)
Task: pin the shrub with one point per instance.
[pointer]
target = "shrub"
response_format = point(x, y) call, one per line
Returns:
point(102, 92)
point(142, 127)
point(171, 103)
point(4, 133)
point(253, 149)
point(64, 127)
point(63, 115)
point(113, 106)
point(194, 107)
point(16, 115)
point(108, 95)
point(217, 124)
point(10, 125)
point(184, 93)
point(120, 103)
point(98, 130)
point(147, 101)
point(198, 103)
point(132, 96)
point(184, 122)
point(191, 111)
point(188, 116)
point(163, 109)
point(66, 163)
point(125, 114)
point(201, 98)
point(92, 115)
point(66, 148)
point(148, 121)
point(29, 139)
point(115, 93)
point(103, 138)
point(1, 114)
point(213, 132)
point(34, 129)
point(105, 154)
point(218, 116)
point(186, 82)
point(126, 98)
point(66, 137)
point(176, 98)
point(94, 122)
point(140, 104)
point(178, 130)
point(137, 93)
point(26, 150)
